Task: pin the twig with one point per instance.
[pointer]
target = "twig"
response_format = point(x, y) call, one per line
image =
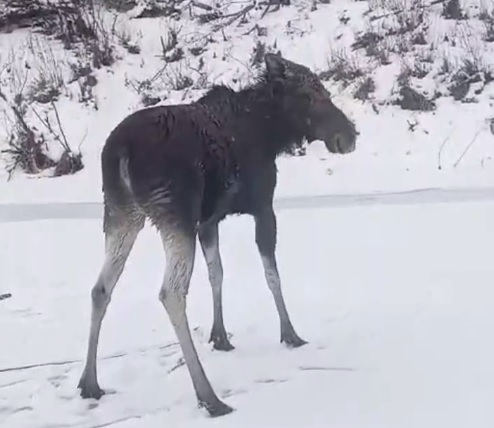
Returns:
point(47, 124)
point(158, 73)
point(467, 148)
point(443, 144)
point(234, 16)
point(59, 123)
point(266, 9)
point(255, 27)
point(201, 5)
point(17, 114)
point(440, 151)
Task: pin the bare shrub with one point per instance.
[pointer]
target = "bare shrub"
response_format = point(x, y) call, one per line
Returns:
point(170, 49)
point(342, 67)
point(367, 40)
point(469, 72)
point(452, 10)
point(365, 87)
point(146, 90)
point(28, 146)
point(426, 55)
point(402, 16)
point(419, 37)
point(125, 39)
point(486, 15)
point(446, 66)
point(374, 42)
point(412, 16)
point(102, 45)
point(48, 81)
point(69, 162)
point(178, 79)
point(489, 31)
point(89, 28)
point(41, 15)
point(411, 99)
point(472, 67)
point(413, 67)
point(382, 54)
point(402, 44)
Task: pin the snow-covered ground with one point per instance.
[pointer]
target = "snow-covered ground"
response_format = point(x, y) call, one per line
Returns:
point(395, 301)
point(393, 291)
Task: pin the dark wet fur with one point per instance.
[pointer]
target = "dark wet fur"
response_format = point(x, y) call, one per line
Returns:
point(212, 157)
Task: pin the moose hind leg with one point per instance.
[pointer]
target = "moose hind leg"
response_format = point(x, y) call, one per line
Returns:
point(119, 240)
point(265, 222)
point(208, 237)
point(180, 253)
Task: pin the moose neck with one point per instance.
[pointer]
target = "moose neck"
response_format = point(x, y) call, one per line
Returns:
point(256, 111)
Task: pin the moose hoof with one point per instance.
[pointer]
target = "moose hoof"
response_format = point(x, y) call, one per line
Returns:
point(216, 408)
point(90, 390)
point(293, 341)
point(223, 345)
point(221, 342)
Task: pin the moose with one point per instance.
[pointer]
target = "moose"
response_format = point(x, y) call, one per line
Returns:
point(185, 168)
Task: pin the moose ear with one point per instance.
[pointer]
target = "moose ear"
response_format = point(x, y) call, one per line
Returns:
point(275, 65)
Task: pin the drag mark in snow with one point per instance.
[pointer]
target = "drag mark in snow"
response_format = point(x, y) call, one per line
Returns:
point(35, 366)
point(328, 369)
point(69, 362)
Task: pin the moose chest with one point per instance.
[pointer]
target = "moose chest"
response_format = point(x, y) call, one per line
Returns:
point(245, 191)
point(239, 177)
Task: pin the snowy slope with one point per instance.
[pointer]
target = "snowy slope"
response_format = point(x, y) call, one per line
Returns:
point(398, 149)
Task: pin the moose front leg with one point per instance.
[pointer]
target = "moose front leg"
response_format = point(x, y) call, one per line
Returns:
point(265, 222)
point(208, 237)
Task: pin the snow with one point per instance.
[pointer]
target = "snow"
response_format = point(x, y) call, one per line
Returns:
point(385, 262)
point(395, 302)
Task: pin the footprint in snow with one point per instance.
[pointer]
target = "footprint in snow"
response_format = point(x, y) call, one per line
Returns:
point(224, 394)
point(271, 380)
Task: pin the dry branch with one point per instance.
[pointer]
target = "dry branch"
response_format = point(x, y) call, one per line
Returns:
point(234, 17)
point(201, 5)
point(467, 148)
point(400, 11)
